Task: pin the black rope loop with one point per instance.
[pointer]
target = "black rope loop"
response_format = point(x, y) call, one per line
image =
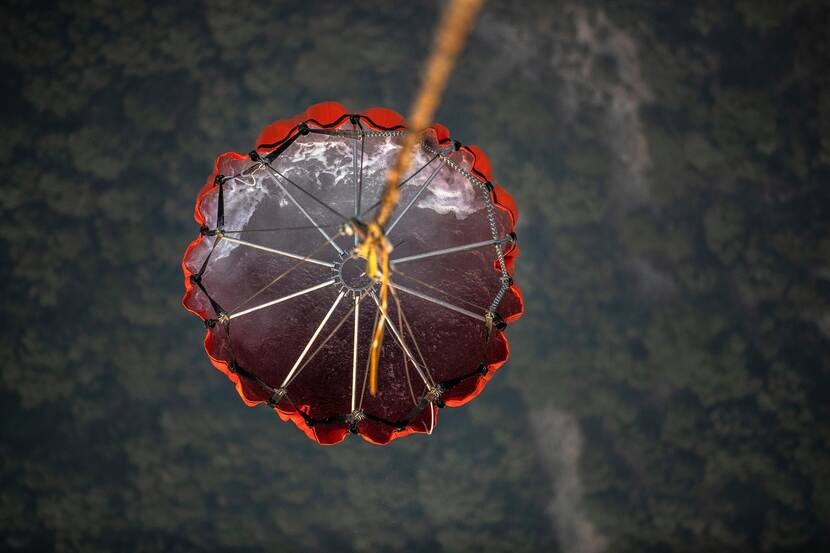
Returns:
point(498, 321)
point(276, 397)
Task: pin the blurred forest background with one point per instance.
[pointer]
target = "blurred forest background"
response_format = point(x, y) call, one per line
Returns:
point(669, 384)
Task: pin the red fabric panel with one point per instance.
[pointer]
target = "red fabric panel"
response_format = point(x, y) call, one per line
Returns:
point(498, 354)
point(188, 286)
point(298, 420)
point(278, 131)
point(225, 368)
point(381, 434)
point(325, 113)
point(505, 201)
point(383, 118)
point(329, 434)
point(482, 167)
point(510, 256)
point(442, 133)
point(516, 292)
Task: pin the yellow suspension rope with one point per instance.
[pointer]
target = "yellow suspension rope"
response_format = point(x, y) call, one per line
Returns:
point(455, 26)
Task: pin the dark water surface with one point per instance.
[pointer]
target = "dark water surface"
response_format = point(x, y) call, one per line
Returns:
point(668, 386)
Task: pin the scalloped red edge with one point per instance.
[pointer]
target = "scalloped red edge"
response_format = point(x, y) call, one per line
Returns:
point(334, 115)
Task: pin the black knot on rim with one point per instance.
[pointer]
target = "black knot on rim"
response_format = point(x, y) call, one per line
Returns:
point(498, 321)
point(302, 128)
point(489, 186)
point(457, 145)
point(507, 280)
point(276, 397)
point(195, 279)
point(513, 237)
point(233, 366)
point(254, 155)
point(210, 323)
point(354, 119)
point(483, 369)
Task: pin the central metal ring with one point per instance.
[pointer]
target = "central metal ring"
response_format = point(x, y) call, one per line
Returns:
point(351, 274)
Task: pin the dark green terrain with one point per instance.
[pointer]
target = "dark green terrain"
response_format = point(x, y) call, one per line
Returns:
point(669, 385)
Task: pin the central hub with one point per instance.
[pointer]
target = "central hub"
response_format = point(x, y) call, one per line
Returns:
point(351, 274)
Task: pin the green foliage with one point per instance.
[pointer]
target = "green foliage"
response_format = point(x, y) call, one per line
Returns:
point(669, 166)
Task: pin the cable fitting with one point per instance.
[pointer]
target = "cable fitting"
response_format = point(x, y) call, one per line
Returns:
point(276, 397)
point(433, 395)
point(354, 419)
